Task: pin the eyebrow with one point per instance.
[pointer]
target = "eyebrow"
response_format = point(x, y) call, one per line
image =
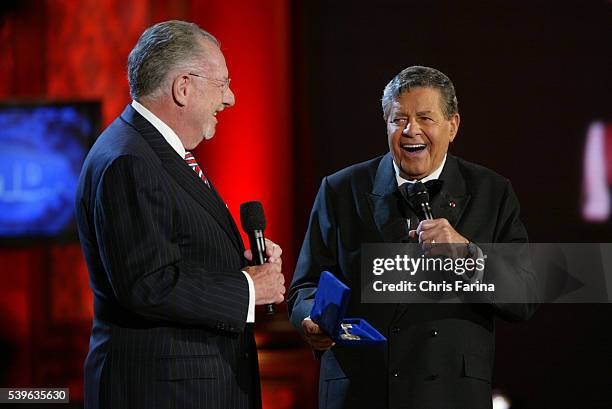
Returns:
point(402, 114)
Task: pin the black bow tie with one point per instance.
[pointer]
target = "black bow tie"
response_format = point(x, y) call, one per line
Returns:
point(433, 188)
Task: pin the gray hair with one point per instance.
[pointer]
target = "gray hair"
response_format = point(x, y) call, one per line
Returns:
point(160, 49)
point(421, 77)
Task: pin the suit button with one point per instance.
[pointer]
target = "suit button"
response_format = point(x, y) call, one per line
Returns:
point(431, 377)
point(395, 373)
point(395, 330)
point(434, 332)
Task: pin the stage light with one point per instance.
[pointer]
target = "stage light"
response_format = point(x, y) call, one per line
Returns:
point(501, 401)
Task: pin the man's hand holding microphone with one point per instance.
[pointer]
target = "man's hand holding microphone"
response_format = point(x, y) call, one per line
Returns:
point(267, 278)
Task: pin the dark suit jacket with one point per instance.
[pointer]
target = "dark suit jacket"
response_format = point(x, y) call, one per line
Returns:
point(165, 258)
point(438, 355)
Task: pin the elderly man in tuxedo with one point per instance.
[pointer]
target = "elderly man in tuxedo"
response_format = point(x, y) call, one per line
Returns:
point(173, 297)
point(437, 355)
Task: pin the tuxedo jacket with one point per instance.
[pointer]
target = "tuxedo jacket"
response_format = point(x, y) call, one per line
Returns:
point(437, 355)
point(164, 258)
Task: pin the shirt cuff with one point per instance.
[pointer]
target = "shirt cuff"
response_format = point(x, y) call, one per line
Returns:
point(250, 318)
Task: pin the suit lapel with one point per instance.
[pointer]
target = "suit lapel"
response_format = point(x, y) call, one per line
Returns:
point(385, 203)
point(454, 197)
point(229, 217)
point(185, 177)
point(388, 210)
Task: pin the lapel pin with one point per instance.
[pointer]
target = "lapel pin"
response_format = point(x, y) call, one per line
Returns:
point(452, 204)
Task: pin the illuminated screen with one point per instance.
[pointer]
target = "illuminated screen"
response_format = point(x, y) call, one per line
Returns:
point(42, 148)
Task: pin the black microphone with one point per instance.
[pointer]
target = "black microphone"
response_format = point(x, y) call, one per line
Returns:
point(254, 223)
point(420, 195)
point(417, 196)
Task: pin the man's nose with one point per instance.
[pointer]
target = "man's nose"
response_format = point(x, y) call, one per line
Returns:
point(411, 129)
point(229, 99)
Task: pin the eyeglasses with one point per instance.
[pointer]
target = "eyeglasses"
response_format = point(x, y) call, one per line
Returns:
point(220, 83)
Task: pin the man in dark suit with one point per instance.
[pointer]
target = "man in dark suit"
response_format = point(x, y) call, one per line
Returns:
point(172, 296)
point(438, 355)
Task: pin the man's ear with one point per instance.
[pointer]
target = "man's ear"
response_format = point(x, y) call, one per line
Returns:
point(180, 89)
point(454, 123)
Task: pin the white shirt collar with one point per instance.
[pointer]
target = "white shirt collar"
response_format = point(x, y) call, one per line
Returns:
point(169, 135)
point(432, 176)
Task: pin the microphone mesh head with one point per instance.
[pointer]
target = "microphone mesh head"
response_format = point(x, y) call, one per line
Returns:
point(415, 193)
point(420, 193)
point(252, 216)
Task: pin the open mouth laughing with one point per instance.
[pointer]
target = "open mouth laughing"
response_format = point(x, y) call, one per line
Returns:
point(414, 149)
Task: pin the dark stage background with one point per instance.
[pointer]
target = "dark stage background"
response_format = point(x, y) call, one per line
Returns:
point(530, 77)
point(308, 76)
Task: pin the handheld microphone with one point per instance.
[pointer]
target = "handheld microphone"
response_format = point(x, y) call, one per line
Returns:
point(420, 196)
point(254, 223)
point(417, 196)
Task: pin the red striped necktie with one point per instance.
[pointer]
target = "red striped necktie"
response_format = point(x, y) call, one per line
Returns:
point(191, 161)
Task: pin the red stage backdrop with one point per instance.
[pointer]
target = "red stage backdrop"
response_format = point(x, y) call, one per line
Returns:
point(251, 156)
point(67, 50)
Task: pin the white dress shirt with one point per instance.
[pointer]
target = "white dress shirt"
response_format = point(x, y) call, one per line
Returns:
point(432, 176)
point(173, 140)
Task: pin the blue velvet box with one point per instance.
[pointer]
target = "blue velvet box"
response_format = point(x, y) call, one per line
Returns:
point(329, 310)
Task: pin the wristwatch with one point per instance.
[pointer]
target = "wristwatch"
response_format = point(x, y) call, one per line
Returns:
point(471, 249)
